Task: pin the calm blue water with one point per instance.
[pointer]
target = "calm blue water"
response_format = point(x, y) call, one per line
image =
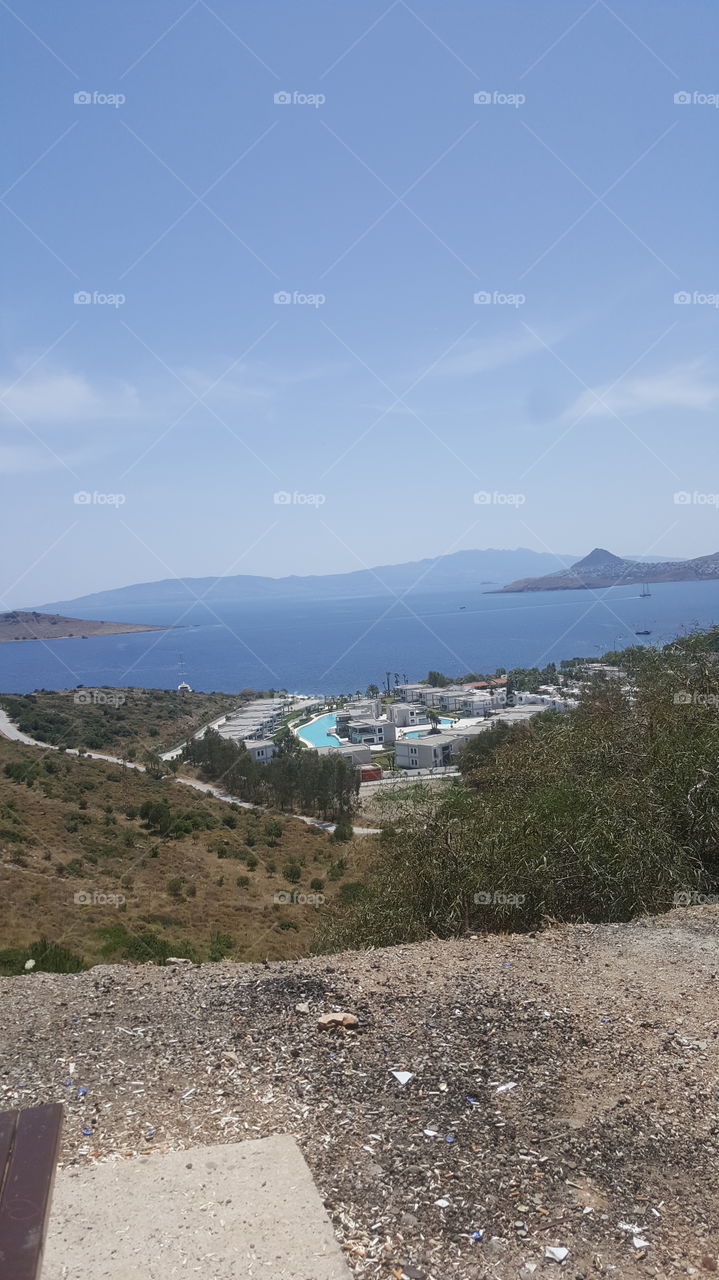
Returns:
point(319, 733)
point(343, 645)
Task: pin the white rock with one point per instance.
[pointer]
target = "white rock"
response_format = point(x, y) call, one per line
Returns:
point(29, 964)
point(556, 1253)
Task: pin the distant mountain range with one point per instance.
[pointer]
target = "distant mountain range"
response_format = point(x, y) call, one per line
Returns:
point(602, 569)
point(470, 570)
point(460, 571)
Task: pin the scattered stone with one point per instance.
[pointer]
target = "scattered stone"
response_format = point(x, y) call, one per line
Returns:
point(331, 1021)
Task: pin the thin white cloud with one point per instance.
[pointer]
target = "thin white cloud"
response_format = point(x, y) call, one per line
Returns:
point(47, 399)
point(484, 357)
point(685, 386)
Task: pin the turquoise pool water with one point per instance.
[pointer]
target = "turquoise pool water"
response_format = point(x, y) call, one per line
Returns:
point(320, 733)
point(419, 733)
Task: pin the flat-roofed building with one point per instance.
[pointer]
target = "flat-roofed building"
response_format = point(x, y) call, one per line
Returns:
point(406, 714)
point(261, 749)
point(374, 732)
point(430, 752)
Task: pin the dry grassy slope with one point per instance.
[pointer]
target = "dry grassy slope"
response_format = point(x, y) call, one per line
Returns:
point(610, 1033)
point(43, 864)
point(146, 719)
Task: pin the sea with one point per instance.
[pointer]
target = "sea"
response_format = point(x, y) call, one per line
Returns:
point(340, 646)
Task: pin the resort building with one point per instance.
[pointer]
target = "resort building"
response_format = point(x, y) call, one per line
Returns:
point(406, 714)
point(372, 732)
point(261, 749)
point(370, 708)
point(409, 692)
point(430, 752)
point(359, 753)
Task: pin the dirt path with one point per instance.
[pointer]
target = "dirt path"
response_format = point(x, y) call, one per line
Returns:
point(609, 1136)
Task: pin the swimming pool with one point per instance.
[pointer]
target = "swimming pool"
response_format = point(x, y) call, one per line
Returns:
point(420, 733)
point(321, 732)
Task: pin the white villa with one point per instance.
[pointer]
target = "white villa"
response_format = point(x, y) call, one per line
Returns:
point(359, 753)
point(372, 732)
point(405, 715)
point(430, 752)
point(261, 749)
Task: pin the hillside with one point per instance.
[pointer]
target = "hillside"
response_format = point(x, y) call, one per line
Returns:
point(605, 1145)
point(603, 569)
point(196, 877)
point(124, 722)
point(20, 625)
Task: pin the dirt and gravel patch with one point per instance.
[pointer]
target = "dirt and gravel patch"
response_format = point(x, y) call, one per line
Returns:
point(606, 1144)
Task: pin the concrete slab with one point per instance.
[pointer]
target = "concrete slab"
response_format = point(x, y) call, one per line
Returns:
point(245, 1210)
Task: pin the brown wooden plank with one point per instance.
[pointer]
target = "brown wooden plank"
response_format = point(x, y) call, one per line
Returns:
point(27, 1190)
point(8, 1120)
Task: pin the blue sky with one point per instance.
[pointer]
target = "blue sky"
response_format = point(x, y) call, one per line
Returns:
point(581, 198)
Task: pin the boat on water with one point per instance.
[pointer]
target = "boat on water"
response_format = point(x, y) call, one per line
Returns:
point(642, 633)
point(644, 592)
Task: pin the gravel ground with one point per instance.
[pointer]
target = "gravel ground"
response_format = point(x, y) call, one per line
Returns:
point(605, 1146)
